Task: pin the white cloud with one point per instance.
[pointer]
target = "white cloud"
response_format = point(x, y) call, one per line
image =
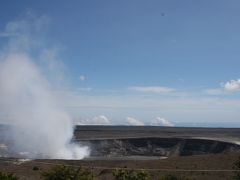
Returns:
point(101, 120)
point(188, 109)
point(161, 122)
point(152, 89)
point(97, 120)
point(134, 122)
point(82, 78)
point(216, 91)
point(232, 86)
point(85, 89)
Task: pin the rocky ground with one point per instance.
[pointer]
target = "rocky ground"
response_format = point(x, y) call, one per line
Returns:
point(157, 141)
point(201, 167)
point(197, 153)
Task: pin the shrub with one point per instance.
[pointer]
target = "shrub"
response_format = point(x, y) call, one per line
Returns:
point(35, 168)
point(124, 174)
point(8, 176)
point(67, 173)
point(172, 177)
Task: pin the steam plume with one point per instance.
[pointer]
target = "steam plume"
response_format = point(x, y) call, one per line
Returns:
point(41, 128)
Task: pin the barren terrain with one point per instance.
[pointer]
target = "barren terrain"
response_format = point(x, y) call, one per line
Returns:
point(198, 153)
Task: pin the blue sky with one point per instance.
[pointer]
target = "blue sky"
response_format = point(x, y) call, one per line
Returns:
point(144, 59)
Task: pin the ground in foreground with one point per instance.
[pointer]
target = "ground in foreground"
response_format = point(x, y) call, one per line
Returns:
point(207, 167)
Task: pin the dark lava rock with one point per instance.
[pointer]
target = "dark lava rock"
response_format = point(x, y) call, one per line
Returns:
point(158, 147)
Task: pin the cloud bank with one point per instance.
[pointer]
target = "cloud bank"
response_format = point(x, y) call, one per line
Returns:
point(134, 122)
point(97, 120)
point(161, 122)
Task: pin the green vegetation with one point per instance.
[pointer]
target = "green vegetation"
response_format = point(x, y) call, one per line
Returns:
point(124, 174)
point(172, 177)
point(8, 176)
point(67, 173)
point(35, 168)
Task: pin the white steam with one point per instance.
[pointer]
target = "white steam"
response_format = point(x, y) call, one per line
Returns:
point(41, 128)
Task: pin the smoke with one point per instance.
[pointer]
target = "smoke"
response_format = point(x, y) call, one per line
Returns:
point(40, 127)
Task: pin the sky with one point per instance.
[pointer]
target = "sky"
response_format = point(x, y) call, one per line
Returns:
point(141, 62)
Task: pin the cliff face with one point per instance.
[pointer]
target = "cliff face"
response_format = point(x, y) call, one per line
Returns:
point(158, 147)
